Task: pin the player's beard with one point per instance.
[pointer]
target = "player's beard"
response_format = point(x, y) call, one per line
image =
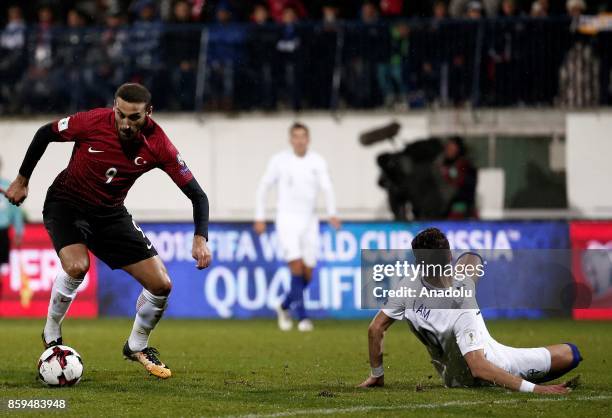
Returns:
point(130, 143)
point(127, 135)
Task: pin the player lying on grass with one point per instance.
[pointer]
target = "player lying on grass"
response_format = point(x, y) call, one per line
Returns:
point(84, 209)
point(461, 348)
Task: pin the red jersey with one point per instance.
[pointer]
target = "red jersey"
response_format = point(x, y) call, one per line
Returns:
point(101, 171)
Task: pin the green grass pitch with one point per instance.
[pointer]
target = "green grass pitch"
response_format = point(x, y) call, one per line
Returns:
point(238, 368)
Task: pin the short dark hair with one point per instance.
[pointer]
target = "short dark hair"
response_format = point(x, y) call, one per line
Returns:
point(431, 247)
point(134, 93)
point(299, 125)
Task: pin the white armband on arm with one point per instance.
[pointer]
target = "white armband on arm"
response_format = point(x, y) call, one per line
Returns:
point(526, 386)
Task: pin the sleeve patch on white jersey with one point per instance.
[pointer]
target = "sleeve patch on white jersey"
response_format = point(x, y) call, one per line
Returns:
point(62, 125)
point(469, 338)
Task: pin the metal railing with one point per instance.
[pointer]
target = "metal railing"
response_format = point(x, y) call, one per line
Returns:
point(242, 67)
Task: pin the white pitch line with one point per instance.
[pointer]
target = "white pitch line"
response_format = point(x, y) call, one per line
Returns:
point(329, 411)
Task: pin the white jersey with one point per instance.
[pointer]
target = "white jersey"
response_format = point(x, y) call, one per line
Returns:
point(449, 334)
point(298, 180)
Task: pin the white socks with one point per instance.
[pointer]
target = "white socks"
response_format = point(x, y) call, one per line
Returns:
point(62, 294)
point(149, 310)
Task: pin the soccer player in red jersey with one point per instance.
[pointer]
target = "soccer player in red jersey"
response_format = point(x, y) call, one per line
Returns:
point(84, 209)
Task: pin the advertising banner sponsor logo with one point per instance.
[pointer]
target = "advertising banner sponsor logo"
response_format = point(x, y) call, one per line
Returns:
point(26, 281)
point(592, 266)
point(248, 275)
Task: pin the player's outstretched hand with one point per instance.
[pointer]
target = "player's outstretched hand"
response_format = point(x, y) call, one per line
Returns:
point(17, 191)
point(372, 382)
point(200, 252)
point(259, 227)
point(559, 389)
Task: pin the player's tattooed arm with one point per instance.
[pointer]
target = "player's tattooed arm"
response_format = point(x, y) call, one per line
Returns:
point(200, 251)
point(483, 369)
point(17, 192)
point(376, 333)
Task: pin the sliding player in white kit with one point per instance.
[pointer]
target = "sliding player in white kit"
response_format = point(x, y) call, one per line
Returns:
point(461, 348)
point(298, 174)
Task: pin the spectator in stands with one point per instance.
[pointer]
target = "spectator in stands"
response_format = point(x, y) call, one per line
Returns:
point(459, 8)
point(579, 79)
point(330, 13)
point(260, 14)
point(144, 48)
point(575, 8)
point(277, 9)
point(539, 8)
point(473, 10)
point(324, 45)
point(224, 55)
point(166, 10)
point(369, 13)
point(290, 49)
point(504, 57)
point(393, 76)
point(39, 90)
point(459, 177)
point(368, 48)
point(262, 58)
point(429, 48)
point(439, 10)
point(579, 76)
point(196, 9)
point(12, 58)
point(94, 10)
point(70, 55)
point(224, 13)
point(461, 45)
point(108, 60)
point(182, 46)
point(508, 8)
point(392, 8)
point(536, 10)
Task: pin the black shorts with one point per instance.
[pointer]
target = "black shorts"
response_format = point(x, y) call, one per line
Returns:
point(4, 246)
point(110, 233)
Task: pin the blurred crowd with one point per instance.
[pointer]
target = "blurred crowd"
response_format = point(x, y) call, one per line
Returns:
point(287, 53)
point(95, 12)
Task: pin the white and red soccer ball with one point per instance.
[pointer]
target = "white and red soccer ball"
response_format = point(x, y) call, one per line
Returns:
point(60, 365)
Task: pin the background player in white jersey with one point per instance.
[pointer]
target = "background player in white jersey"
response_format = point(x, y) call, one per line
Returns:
point(298, 174)
point(461, 348)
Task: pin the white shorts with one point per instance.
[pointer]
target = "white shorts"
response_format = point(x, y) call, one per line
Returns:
point(529, 363)
point(298, 238)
